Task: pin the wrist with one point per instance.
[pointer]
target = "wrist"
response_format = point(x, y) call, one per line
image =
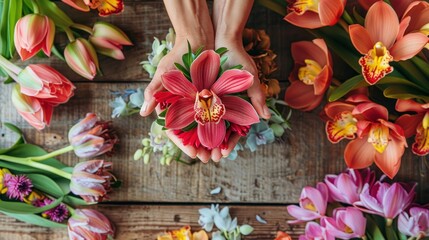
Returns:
point(196, 40)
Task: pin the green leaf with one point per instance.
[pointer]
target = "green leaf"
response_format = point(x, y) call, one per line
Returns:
point(20, 139)
point(402, 236)
point(163, 113)
point(161, 122)
point(46, 185)
point(372, 228)
point(57, 53)
point(422, 65)
point(221, 50)
point(404, 92)
point(24, 208)
point(4, 44)
point(360, 20)
point(198, 52)
point(15, 13)
point(349, 85)
point(187, 59)
point(75, 201)
point(183, 70)
point(390, 233)
point(64, 184)
point(239, 66)
point(57, 15)
point(223, 60)
point(190, 127)
point(273, 6)
point(36, 220)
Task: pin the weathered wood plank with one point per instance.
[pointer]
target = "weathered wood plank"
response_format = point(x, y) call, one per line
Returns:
point(146, 222)
point(273, 174)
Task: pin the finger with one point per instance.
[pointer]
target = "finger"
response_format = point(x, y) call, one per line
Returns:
point(188, 150)
point(233, 140)
point(257, 98)
point(216, 154)
point(154, 86)
point(203, 154)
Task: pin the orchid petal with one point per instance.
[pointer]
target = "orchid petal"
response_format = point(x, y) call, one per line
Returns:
point(176, 83)
point(359, 153)
point(239, 111)
point(409, 123)
point(78, 4)
point(322, 81)
point(390, 160)
point(309, 50)
point(401, 6)
point(382, 23)
point(204, 69)
point(360, 38)
point(180, 114)
point(335, 108)
point(232, 81)
point(309, 20)
point(407, 105)
point(301, 213)
point(317, 198)
point(212, 134)
point(301, 96)
point(330, 11)
point(371, 111)
point(408, 46)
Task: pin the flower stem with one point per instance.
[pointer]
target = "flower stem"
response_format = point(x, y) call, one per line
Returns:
point(52, 154)
point(82, 27)
point(347, 17)
point(35, 6)
point(9, 66)
point(344, 25)
point(41, 166)
point(70, 35)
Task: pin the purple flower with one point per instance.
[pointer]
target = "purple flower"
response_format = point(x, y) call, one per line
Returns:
point(312, 204)
point(18, 186)
point(385, 200)
point(347, 186)
point(346, 223)
point(56, 214)
point(315, 231)
point(416, 224)
point(89, 224)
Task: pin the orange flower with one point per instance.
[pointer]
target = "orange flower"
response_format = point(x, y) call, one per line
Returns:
point(282, 236)
point(184, 234)
point(104, 7)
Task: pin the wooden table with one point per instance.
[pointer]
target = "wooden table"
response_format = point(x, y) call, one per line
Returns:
point(155, 198)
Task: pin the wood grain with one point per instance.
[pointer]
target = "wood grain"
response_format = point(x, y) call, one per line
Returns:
point(145, 222)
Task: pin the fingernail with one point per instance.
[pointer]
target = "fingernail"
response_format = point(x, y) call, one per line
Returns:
point(267, 112)
point(144, 108)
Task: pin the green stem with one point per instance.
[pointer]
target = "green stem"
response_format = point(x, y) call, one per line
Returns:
point(52, 154)
point(36, 8)
point(41, 166)
point(82, 27)
point(273, 6)
point(347, 17)
point(70, 35)
point(9, 65)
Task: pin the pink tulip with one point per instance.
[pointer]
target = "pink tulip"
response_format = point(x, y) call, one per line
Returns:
point(104, 7)
point(81, 57)
point(108, 40)
point(205, 100)
point(416, 124)
point(315, 14)
point(347, 186)
point(378, 141)
point(311, 75)
point(36, 112)
point(385, 200)
point(89, 224)
point(34, 32)
point(416, 224)
point(346, 223)
point(44, 82)
point(314, 231)
point(91, 180)
point(91, 137)
point(383, 40)
point(312, 204)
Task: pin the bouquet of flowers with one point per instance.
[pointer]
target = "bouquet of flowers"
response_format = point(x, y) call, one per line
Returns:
point(384, 100)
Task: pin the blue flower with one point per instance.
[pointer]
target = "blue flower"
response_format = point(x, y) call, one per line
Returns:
point(259, 134)
point(119, 107)
point(234, 153)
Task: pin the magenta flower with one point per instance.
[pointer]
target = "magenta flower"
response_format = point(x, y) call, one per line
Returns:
point(416, 224)
point(18, 186)
point(346, 223)
point(91, 137)
point(57, 214)
point(89, 224)
point(314, 231)
point(205, 100)
point(346, 187)
point(312, 204)
point(91, 180)
point(385, 200)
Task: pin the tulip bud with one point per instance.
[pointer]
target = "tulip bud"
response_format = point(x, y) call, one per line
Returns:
point(108, 40)
point(34, 32)
point(89, 224)
point(81, 57)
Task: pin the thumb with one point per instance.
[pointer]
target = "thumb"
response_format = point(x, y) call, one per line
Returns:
point(257, 97)
point(150, 103)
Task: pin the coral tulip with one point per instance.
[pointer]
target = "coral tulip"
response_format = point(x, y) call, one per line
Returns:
point(416, 224)
point(315, 14)
point(312, 204)
point(382, 40)
point(346, 223)
point(108, 40)
point(81, 57)
point(34, 32)
point(104, 7)
point(89, 224)
point(311, 75)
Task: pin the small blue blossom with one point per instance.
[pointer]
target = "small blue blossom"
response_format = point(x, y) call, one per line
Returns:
point(119, 107)
point(234, 153)
point(259, 134)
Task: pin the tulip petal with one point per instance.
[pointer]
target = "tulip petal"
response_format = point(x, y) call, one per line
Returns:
point(180, 114)
point(301, 96)
point(408, 46)
point(204, 70)
point(50, 35)
point(330, 11)
point(390, 160)
point(359, 153)
point(176, 83)
point(309, 20)
point(394, 201)
point(212, 134)
point(301, 214)
point(232, 81)
point(360, 38)
point(239, 111)
point(382, 23)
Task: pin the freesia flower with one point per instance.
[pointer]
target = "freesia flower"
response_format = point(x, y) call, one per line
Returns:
point(89, 224)
point(346, 187)
point(315, 14)
point(314, 231)
point(108, 40)
point(45, 83)
point(104, 7)
point(36, 112)
point(416, 124)
point(91, 180)
point(91, 137)
point(312, 204)
point(18, 186)
point(383, 40)
point(184, 234)
point(259, 134)
point(385, 200)
point(81, 57)
point(415, 224)
point(206, 101)
point(346, 223)
point(378, 140)
point(311, 75)
point(34, 32)
point(282, 236)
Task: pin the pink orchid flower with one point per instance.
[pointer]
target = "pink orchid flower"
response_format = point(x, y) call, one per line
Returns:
point(104, 7)
point(416, 124)
point(385, 200)
point(346, 223)
point(312, 204)
point(89, 224)
point(418, 13)
point(378, 140)
point(416, 224)
point(315, 14)
point(383, 40)
point(205, 100)
point(314, 231)
point(311, 75)
point(346, 187)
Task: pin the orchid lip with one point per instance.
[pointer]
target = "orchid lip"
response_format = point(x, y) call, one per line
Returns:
point(208, 107)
